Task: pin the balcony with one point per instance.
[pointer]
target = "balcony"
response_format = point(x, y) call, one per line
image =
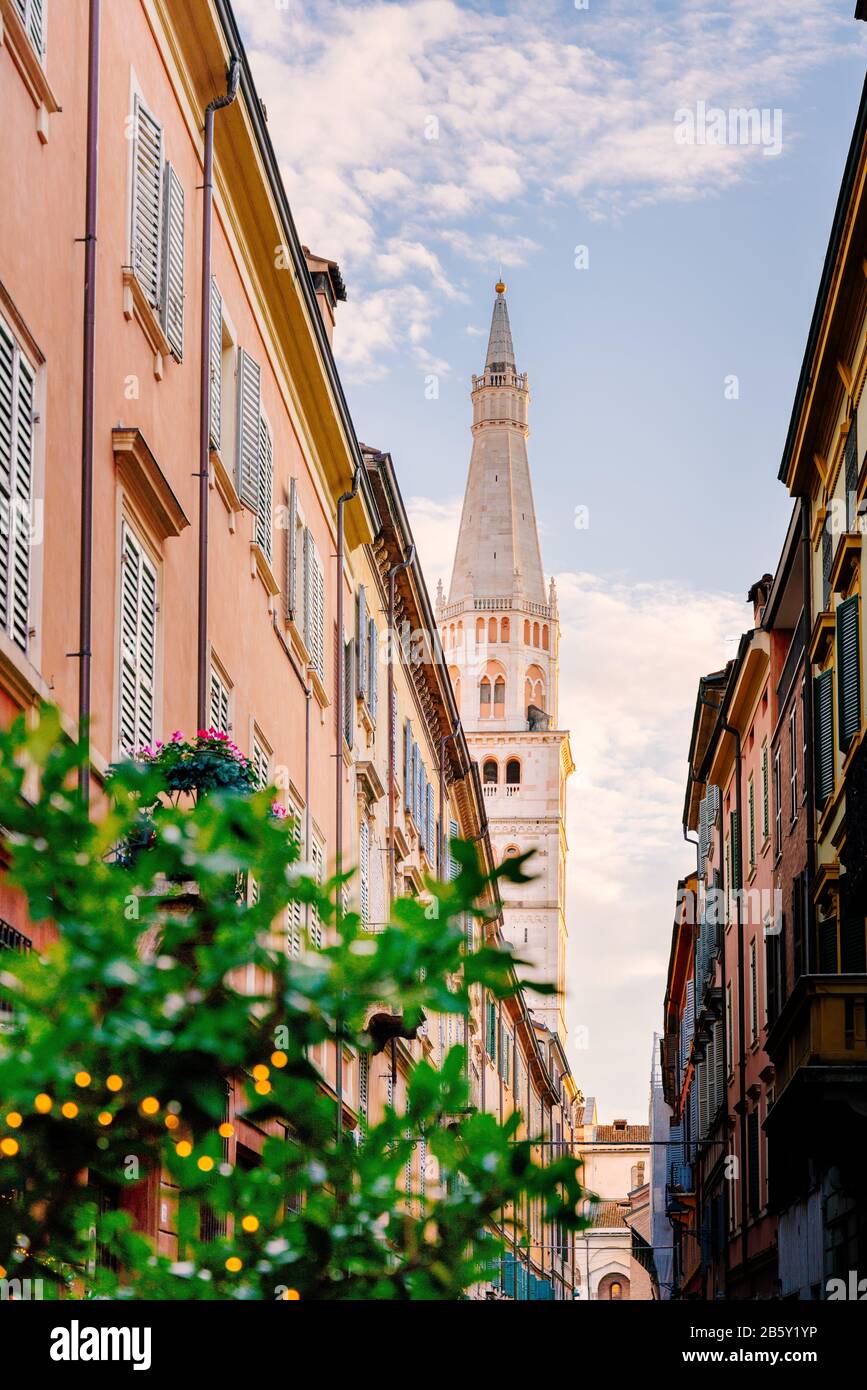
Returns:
point(819, 1044)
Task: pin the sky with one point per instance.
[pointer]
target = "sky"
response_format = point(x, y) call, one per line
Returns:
point(660, 288)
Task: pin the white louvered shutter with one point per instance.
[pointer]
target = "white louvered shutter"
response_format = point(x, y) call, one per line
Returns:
point(172, 279)
point(317, 935)
point(454, 866)
point(318, 611)
point(147, 200)
point(17, 384)
point(348, 688)
point(407, 765)
point(364, 871)
point(295, 909)
point(372, 658)
point(248, 437)
point(264, 524)
point(216, 365)
point(363, 1084)
point(361, 642)
point(430, 822)
point(292, 553)
point(261, 764)
point(219, 704)
point(138, 605)
point(417, 792)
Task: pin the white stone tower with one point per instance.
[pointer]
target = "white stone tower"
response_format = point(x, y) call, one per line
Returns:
point(500, 633)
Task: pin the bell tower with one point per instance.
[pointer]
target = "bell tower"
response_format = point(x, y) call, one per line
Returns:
point(500, 634)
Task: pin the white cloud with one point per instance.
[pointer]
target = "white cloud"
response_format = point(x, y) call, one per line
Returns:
point(407, 121)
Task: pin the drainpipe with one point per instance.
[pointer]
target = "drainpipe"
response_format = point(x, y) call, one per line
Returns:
point(232, 80)
point(742, 1031)
point(441, 841)
point(809, 770)
point(392, 865)
point(88, 372)
point(340, 680)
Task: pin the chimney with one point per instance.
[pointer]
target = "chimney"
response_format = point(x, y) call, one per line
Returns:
point(620, 1124)
point(758, 597)
point(329, 287)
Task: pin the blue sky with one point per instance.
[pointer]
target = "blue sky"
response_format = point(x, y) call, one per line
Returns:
point(553, 128)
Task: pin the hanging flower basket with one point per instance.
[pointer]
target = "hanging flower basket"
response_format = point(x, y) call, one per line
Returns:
point(209, 762)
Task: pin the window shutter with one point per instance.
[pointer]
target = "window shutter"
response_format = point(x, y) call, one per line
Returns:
point(827, 560)
point(248, 429)
point(363, 1084)
point(431, 821)
point(361, 634)
point(219, 704)
point(421, 818)
point(264, 522)
point(147, 187)
point(317, 935)
point(16, 477)
point(138, 645)
point(753, 1160)
point(216, 364)
point(348, 682)
point(417, 789)
point(172, 278)
point(735, 830)
point(751, 797)
point(850, 455)
point(364, 871)
point(848, 671)
point(318, 634)
point(766, 823)
point(407, 765)
point(372, 659)
point(260, 764)
point(292, 553)
point(454, 866)
point(823, 700)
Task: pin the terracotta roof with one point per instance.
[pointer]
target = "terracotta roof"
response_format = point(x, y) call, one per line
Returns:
point(614, 1134)
point(607, 1214)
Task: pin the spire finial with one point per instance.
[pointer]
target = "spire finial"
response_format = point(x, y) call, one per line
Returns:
point(500, 287)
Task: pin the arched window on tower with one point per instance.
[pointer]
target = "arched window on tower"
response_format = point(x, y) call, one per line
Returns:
point(545, 637)
point(490, 773)
point(513, 773)
point(499, 698)
point(526, 632)
point(492, 629)
point(485, 698)
point(535, 634)
point(504, 630)
point(534, 688)
point(480, 631)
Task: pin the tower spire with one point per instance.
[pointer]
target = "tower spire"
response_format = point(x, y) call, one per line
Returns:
point(501, 353)
point(498, 554)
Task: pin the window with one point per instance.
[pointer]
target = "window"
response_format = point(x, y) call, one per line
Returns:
point(766, 813)
point(138, 645)
point(754, 993)
point(17, 391)
point(850, 456)
point(778, 805)
point(848, 671)
point(499, 697)
point(408, 772)
point(827, 561)
point(490, 773)
point(823, 715)
point(504, 630)
point(363, 1086)
point(219, 713)
point(32, 16)
point(317, 858)
point(361, 644)
point(513, 773)
point(485, 698)
point(216, 365)
point(793, 763)
point(491, 1031)
point(751, 806)
point(372, 667)
point(753, 1174)
point(157, 226)
point(10, 940)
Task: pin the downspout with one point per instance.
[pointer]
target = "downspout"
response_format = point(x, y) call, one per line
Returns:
point(392, 867)
point(232, 80)
point(809, 768)
point(340, 680)
point(87, 389)
point(742, 1035)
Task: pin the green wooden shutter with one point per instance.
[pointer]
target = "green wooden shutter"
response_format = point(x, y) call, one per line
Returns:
point(752, 819)
point(850, 456)
point(848, 670)
point(823, 702)
point(827, 561)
